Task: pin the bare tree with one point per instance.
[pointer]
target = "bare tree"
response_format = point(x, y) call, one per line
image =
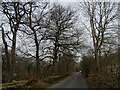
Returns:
point(13, 12)
point(6, 53)
point(61, 32)
point(101, 16)
point(34, 20)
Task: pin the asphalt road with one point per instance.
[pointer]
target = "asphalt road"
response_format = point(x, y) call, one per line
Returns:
point(75, 81)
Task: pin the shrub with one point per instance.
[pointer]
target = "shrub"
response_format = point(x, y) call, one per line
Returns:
point(105, 78)
point(38, 84)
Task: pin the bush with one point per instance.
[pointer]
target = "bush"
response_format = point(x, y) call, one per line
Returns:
point(32, 79)
point(38, 84)
point(86, 65)
point(105, 78)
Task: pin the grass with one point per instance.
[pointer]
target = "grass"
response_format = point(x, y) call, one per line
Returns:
point(15, 84)
point(34, 84)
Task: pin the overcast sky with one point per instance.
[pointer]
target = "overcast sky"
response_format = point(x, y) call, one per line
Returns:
point(84, 0)
point(64, 2)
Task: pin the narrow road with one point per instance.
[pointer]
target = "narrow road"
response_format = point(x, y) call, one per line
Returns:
point(75, 81)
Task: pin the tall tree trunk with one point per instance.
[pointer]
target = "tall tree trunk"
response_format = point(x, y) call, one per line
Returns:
point(55, 52)
point(37, 55)
point(13, 55)
point(7, 56)
point(96, 53)
point(37, 62)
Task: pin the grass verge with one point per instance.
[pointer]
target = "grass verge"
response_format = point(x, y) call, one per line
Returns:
point(28, 84)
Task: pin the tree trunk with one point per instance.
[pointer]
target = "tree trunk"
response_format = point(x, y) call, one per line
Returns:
point(55, 52)
point(96, 53)
point(37, 63)
point(13, 55)
point(7, 56)
point(37, 55)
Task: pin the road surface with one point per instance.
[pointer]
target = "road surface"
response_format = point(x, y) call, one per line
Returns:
point(75, 81)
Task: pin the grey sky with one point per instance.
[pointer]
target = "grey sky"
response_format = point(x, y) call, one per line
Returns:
point(84, 0)
point(65, 2)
